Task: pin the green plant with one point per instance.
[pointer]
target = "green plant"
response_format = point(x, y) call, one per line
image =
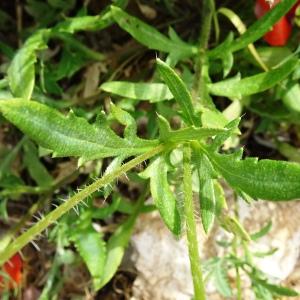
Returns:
point(201, 132)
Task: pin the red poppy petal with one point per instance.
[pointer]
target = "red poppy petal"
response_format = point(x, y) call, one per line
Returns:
point(13, 268)
point(280, 33)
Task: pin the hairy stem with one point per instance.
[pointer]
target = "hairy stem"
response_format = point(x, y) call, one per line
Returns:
point(52, 217)
point(43, 200)
point(191, 230)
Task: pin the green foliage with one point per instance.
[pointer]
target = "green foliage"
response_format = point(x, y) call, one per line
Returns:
point(262, 232)
point(162, 194)
point(260, 179)
point(236, 88)
point(91, 248)
point(150, 37)
point(71, 135)
point(167, 135)
point(274, 289)
point(221, 280)
point(116, 246)
point(36, 169)
point(207, 196)
point(21, 72)
point(179, 91)
point(190, 143)
point(255, 31)
point(153, 92)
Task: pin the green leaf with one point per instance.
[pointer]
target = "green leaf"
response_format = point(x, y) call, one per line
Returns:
point(290, 152)
point(207, 203)
point(231, 224)
point(264, 179)
point(227, 61)
point(262, 293)
point(21, 73)
point(75, 44)
point(232, 129)
point(273, 288)
point(115, 164)
point(262, 254)
point(89, 23)
point(153, 92)
point(106, 211)
point(9, 158)
point(36, 169)
point(91, 247)
point(236, 88)
point(70, 62)
point(149, 36)
point(184, 134)
point(207, 196)
point(71, 135)
point(116, 246)
point(220, 198)
point(179, 91)
point(84, 23)
point(213, 118)
point(162, 194)
point(221, 279)
point(256, 31)
point(270, 56)
point(291, 96)
point(262, 232)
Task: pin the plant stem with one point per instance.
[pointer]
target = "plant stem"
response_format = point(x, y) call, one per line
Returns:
point(239, 295)
point(52, 217)
point(208, 8)
point(191, 230)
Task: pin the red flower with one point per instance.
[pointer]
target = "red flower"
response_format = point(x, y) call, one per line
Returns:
point(13, 268)
point(281, 31)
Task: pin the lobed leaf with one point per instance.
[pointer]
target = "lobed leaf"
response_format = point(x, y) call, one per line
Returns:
point(264, 179)
point(221, 279)
point(70, 135)
point(185, 134)
point(231, 129)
